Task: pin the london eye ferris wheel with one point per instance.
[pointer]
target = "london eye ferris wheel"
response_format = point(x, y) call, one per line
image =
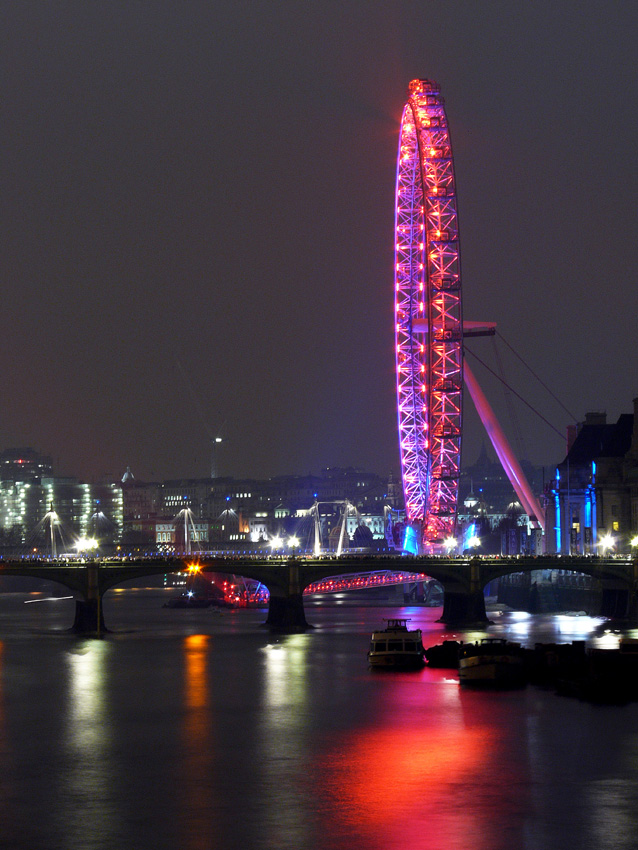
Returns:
point(428, 317)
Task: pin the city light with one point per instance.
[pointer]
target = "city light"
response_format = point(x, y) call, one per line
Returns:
point(634, 541)
point(293, 542)
point(450, 543)
point(474, 542)
point(276, 543)
point(607, 542)
point(85, 544)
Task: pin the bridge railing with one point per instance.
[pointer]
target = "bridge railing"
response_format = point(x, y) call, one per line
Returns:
point(354, 581)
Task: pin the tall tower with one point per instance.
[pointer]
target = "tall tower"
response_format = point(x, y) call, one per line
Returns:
point(214, 457)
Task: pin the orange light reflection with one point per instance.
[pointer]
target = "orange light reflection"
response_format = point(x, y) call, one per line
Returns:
point(196, 742)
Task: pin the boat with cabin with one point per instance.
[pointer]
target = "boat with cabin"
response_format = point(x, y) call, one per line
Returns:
point(397, 646)
point(492, 661)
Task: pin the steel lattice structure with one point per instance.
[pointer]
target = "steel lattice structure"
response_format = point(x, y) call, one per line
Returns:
point(428, 316)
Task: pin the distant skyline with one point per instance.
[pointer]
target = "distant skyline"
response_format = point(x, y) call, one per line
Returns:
point(197, 217)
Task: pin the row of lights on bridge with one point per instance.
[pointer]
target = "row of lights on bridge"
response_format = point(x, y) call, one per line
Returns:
point(608, 542)
point(280, 543)
point(451, 543)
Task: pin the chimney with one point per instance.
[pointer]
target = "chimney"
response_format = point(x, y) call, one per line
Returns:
point(596, 418)
point(572, 433)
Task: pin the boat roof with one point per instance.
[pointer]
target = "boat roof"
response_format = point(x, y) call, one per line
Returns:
point(396, 623)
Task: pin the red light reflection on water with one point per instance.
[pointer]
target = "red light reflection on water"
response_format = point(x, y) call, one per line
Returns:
point(414, 780)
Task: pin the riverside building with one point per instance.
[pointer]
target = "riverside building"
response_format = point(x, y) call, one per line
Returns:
point(592, 502)
point(29, 491)
point(251, 511)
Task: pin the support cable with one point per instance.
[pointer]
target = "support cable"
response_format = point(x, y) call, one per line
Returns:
point(533, 409)
point(541, 382)
point(510, 405)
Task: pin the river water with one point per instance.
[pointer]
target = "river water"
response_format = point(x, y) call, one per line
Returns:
point(199, 730)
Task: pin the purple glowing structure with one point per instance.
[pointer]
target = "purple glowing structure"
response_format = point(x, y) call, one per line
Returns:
point(428, 317)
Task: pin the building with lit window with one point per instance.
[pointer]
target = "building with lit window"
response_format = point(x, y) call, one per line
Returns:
point(23, 464)
point(29, 491)
point(249, 510)
point(592, 502)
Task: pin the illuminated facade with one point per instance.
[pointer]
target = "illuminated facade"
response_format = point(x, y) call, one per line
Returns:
point(592, 502)
point(428, 317)
point(28, 490)
point(248, 509)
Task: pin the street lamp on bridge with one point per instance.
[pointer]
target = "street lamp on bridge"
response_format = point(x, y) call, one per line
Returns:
point(450, 543)
point(275, 543)
point(607, 542)
point(293, 543)
point(85, 544)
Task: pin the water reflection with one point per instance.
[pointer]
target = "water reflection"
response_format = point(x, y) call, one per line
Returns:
point(237, 740)
point(576, 627)
point(423, 763)
point(196, 682)
point(520, 625)
point(548, 628)
point(285, 680)
point(611, 814)
point(283, 741)
point(86, 707)
point(7, 790)
point(3, 732)
point(196, 745)
point(88, 780)
point(583, 776)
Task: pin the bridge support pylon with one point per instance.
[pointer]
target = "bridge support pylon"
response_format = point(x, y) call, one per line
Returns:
point(285, 610)
point(464, 609)
point(89, 617)
point(619, 603)
point(286, 614)
point(465, 606)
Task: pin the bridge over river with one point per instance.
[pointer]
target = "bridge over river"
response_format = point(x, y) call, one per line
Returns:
point(463, 579)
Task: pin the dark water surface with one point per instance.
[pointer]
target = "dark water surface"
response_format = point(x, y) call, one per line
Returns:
point(196, 729)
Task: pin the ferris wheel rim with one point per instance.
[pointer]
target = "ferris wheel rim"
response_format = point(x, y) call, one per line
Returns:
point(428, 315)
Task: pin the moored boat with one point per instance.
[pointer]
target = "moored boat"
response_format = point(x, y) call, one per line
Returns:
point(444, 655)
point(189, 600)
point(396, 646)
point(492, 661)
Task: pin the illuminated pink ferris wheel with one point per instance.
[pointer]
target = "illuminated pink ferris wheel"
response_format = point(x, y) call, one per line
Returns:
point(428, 317)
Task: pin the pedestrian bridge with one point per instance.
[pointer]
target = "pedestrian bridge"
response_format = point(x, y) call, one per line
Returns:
point(463, 579)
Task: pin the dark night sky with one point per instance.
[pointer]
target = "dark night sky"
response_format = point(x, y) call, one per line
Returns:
point(197, 215)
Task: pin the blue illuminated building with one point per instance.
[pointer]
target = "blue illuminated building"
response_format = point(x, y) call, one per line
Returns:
point(594, 495)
